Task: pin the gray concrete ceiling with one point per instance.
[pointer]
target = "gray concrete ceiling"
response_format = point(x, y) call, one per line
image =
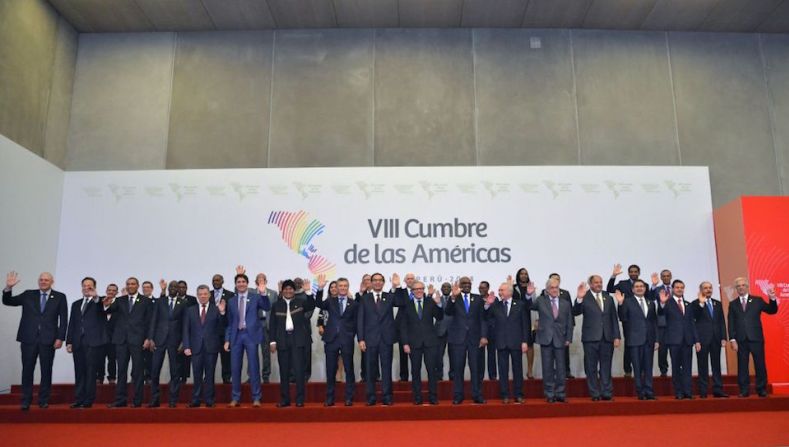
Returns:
point(769, 16)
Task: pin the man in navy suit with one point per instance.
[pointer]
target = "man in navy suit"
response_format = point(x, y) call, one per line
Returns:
point(626, 287)
point(443, 333)
point(203, 333)
point(680, 336)
point(107, 361)
point(711, 328)
point(376, 332)
point(665, 278)
point(746, 335)
point(42, 330)
point(467, 333)
point(599, 335)
point(554, 333)
point(130, 336)
point(244, 333)
point(419, 337)
point(511, 321)
point(338, 333)
point(219, 293)
point(640, 314)
point(166, 333)
point(84, 338)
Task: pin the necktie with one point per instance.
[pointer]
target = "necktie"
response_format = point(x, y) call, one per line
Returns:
point(202, 315)
point(555, 306)
point(465, 301)
point(172, 304)
point(419, 308)
point(242, 308)
point(84, 305)
point(288, 318)
point(643, 306)
point(43, 301)
point(378, 300)
point(709, 307)
point(742, 301)
point(507, 306)
point(681, 305)
point(599, 301)
point(131, 303)
point(342, 305)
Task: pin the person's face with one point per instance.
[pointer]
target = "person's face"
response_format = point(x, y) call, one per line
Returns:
point(446, 288)
point(131, 286)
point(241, 285)
point(45, 281)
point(665, 276)
point(299, 284)
point(342, 288)
point(378, 282)
point(181, 289)
point(523, 276)
point(333, 289)
point(639, 289)
point(706, 289)
point(484, 289)
point(679, 289)
point(596, 284)
point(633, 273)
point(741, 286)
point(203, 295)
point(260, 279)
point(288, 292)
point(172, 289)
point(553, 290)
point(418, 289)
point(88, 287)
point(147, 289)
point(465, 285)
point(505, 292)
point(409, 280)
point(366, 282)
point(217, 281)
point(112, 292)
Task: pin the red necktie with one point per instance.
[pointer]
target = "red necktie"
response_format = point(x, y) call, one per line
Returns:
point(202, 315)
point(681, 306)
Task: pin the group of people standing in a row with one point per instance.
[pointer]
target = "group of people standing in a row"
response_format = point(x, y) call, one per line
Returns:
point(425, 322)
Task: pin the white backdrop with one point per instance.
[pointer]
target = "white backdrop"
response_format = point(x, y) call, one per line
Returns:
point(573, 220)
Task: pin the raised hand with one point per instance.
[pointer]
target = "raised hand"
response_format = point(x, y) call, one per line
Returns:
point(221, 306)
point(240, 270)
point(163, 284)
point(321, 281)
point(582, 289)
point(530, 288)
point(655, 279)
point(663, 296)
point(436, 298)
point(124, 291)
point(702, 299)
point(307, 287)
point(620, 297)
point(11, 279)
point(771, 290)
point(395, 280)
point(455, 289)
point(431, 290)
point(362, 290)
point(617, 270)
point(509, 280)
point(490, 299)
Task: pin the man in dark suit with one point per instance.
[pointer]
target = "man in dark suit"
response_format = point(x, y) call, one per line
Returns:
point(133, 314)
point(409, 280)
point(419, 337)
point(554, 333)
point(166, 335)
point(711, 328)
point(487, 354)
point(665, 285)
point(42, 330)
point(203, 334)
point(626, 287)
point(85, 336)
point(265, 353)
point(183, 362)
point(289, 338)
point(219, 294)
point(640, 314)
point(147, 355)
point(443, 334)
point(746, 335)
point(244, 333)
point(512, 332)
point(365, 287)
point(467, 333)
point(376, 333)
point(599, 335)
point(680, 336)
point(339, 331)
point(107, 361)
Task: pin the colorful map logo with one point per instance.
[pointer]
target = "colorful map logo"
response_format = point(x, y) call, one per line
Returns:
point(299, 231)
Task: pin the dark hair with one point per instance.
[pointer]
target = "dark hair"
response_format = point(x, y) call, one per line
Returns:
point(288, 283)
point(135, 279)
point(241, 275)
point(328, 289)
point(147, 282)
point(554, 274)
point(636, 267)
point(88, 278)
point(484, 282)
point(518, 273)
point(341, 279)
point(677, 281)
point(377, 274)
point(184, 282)
point(203, 287)
point(112, 284)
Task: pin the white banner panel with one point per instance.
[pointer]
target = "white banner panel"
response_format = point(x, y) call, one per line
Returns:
point(437, 222)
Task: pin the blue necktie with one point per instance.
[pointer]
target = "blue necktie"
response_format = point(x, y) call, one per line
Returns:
point(465, 301)
point(419, 308)
point(709, 307)
point(342, 306)
point(172, 305)
point(43, 301)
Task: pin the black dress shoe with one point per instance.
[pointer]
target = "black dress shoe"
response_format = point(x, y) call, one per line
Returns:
point(25, 407)
point(348, 403)
point(650, 397)
point(328, 403)
point(418, 402)
point(561, 399)
point(688, 397)
point(595, 399)
point(210, 405)
point(663, 374)
point(172, 405)
point(194, 405)
point(519, 400)
point(433, 401)
point(642, 398)
point(136, 405)
point(45, 405)
point(370, 403)
point(550, 400)
point(283, 404)
point(87, 405)
point(702, 396)
point(570, 376)
point(153, 405)
point(299, 404)
point(505, 401)
point(744, 394)
point(117, 405)
point(480, 401)
point(388, 403)
point(762, 394)
point(457, 401)
point(679, 397)
point(75, 405)
point(720, 394)
point(607, 398)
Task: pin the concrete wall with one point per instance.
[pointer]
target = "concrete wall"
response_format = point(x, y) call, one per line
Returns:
point(38, 53)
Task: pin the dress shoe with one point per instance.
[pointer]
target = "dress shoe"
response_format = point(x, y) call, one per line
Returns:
point(650, 397)
point(595, 399)
point(210, 405)
point(194, 405)
point(744, 394)
point(688, 397)
point(550, 400)
point(530, 377)
point(256, 403)
point(433, 401)
point(25, 407)
point(233, 404)
point(680, 397)
point(45, 405)
point(418, 402)
point(153, 405)
point(570, 376)
point(457, 401)
point(111, 381)
point(607, 398)
point(87, 405)
point(388, 403)
point(172, 405)
point(283, 404)
point(519, 400)
point(628, 374)
point(328, 403)
point(348, 403)
point(505, 401)
point(137, 405)
point(480, 401)
point(266, 380)
point(370, 403)
point(642, 398)
point(561, 399)
point(663, 374)
point(702, 396)
point(75, 405)
point(762, 394)
point(299, 404)
point(117, 405)
point(720, 394)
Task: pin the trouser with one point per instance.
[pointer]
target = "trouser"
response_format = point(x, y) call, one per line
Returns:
point(487, 356)
point(459, 354)
point(224, 357)
point(265, 362)
point(662, 354)
point(243, 343)
point(333, 352)
point(203, 370)
point(126, 352)
point(429, 354)
point(597, 366)
point(627, 362)
point(147, 361)
point(176, 375)
point(106, 357)
point(553, 371)
point(403, 363)
point(745, 350)
point(45, 355)
point(442, 349)
point(504, 356)
point(379, 355)
point(85, 374)
point(642, 357)
point(709, 354)
point(292, 357)
point(681, 364)
point(567, 361)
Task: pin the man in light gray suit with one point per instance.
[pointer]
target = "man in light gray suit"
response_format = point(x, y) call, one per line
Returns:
point(273, 296)
point(554, 333)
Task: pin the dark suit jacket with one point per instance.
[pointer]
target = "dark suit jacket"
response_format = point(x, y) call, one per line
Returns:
point(301, 307)
point(710, 328)
point(598, 325)
point(208, 335)
point(466, 328)
point(553, 331)
point(640, 329)
point(167, 327)
point(747, 325)
point(625, 286)
point(680, 329)
point(654, 295)
point(420, 332)
point(337, 327)
point(253, 323)
point(91, 324)
point(442, 325)
point(509, 332)
point(134, 327)
point(36, 326)
point(376, 325)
